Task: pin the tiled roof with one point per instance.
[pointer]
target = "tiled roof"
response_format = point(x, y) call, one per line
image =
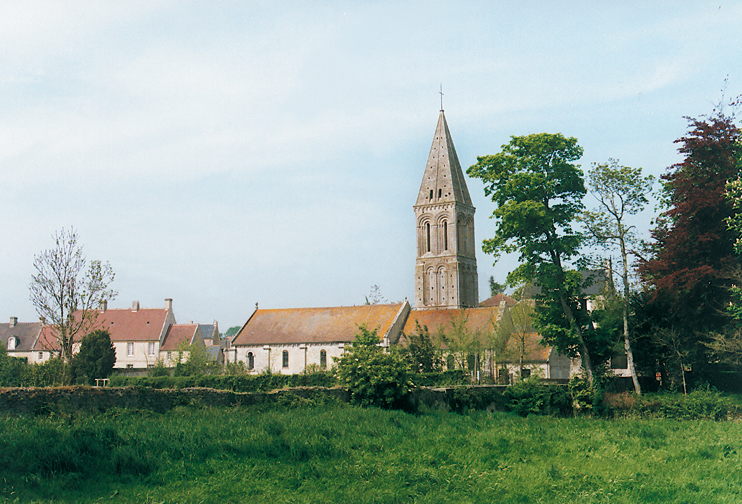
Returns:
point(315, 325)
point(177, 334)
point(534, 350)
point(496, 300)
point(437, 320)
point(208, 330)
point(24, 332)
point(145, 324)
point(481, 319)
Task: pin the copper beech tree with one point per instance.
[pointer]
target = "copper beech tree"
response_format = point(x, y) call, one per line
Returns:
point(67, 291)
point(691, 255)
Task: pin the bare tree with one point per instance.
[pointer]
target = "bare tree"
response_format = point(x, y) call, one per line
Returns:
point(66, 293)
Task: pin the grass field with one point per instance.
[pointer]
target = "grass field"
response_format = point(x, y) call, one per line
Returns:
point(341, 453)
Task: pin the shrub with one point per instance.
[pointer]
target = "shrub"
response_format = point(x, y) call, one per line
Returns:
point(372, 375)
point(96, 356)
point(531, 396)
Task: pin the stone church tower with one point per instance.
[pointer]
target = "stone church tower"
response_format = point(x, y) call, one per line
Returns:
point(446, 266)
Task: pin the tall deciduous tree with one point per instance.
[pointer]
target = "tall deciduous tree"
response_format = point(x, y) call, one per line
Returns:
point(621, 191)
point(692, 251)
point(538, 191)
point(66, 290)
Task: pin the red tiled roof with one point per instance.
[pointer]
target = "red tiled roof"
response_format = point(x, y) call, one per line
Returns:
point(534, 350)
point(440, 319)
point(315, 325)
point(497, 299)
point(481, 319)
point(145, 324)
point(177, 334)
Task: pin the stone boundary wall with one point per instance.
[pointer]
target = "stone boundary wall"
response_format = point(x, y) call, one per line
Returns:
point(40, 401)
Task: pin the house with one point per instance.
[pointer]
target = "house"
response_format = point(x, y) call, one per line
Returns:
point(19, 338)
point(178, 338)
point(522, 355)
point(290, 340)
point(136, 333)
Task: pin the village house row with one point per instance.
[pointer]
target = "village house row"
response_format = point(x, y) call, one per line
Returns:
point(296, 339)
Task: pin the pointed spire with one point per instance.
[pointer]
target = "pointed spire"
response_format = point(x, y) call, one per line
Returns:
point(443, 180)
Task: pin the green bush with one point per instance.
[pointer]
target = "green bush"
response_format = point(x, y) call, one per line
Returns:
point(442, 378)
point(372, 375)
point(14, 372)
point(236, 383)
point(95, 358)
point(531, 396)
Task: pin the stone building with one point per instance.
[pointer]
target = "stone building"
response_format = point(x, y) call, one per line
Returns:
point(446, 289)
point(446, 265)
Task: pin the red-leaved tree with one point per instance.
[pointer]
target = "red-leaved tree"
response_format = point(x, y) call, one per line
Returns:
point(692, 250)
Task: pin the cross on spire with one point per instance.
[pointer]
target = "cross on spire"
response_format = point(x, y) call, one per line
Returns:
point(441, 93)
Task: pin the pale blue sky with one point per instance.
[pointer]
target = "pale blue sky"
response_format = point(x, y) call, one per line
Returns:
point(223, 153)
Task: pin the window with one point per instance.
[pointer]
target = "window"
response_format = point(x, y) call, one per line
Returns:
point(427, 234)
point(450, 363)
point(431, 194)
point(41, 355)
point(150, 366)
point(440, 191)
point(170, 356)
point(130, 349)
point(285, 358)
point(151, 348)
point(130, 366)
point(250, 360)
point(12, 342)
point(323, 359)
point(445, 235)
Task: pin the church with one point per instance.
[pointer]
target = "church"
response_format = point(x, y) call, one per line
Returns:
point(294, 340)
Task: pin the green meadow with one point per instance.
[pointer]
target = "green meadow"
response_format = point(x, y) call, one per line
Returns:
point(331, 452)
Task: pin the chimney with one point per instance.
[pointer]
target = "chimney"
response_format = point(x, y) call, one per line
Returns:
point(169, 304)
point(135, 306)
point(13, 321)
point(104, 305)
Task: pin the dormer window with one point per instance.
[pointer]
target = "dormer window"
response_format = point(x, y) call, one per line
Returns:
point(12, 343)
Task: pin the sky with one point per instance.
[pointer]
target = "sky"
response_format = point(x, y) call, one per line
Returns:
point(224, 154)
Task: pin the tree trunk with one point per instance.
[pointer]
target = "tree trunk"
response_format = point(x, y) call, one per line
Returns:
point(626, 339)
point(586, 361)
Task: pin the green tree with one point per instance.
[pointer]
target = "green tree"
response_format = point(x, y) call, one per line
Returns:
point(231, 332)
point(373, 376)
point(516, 330)
point(621, 191)
point(193, 360)
point(66, 291)
point(496, 288)
point(14, 372)
point(538, 191)
point(424, 355)
point(96, 357)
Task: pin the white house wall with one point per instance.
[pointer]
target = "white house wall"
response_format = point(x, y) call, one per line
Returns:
point(271, 356)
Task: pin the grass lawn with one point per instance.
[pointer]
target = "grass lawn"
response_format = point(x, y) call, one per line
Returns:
point(341, 453)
